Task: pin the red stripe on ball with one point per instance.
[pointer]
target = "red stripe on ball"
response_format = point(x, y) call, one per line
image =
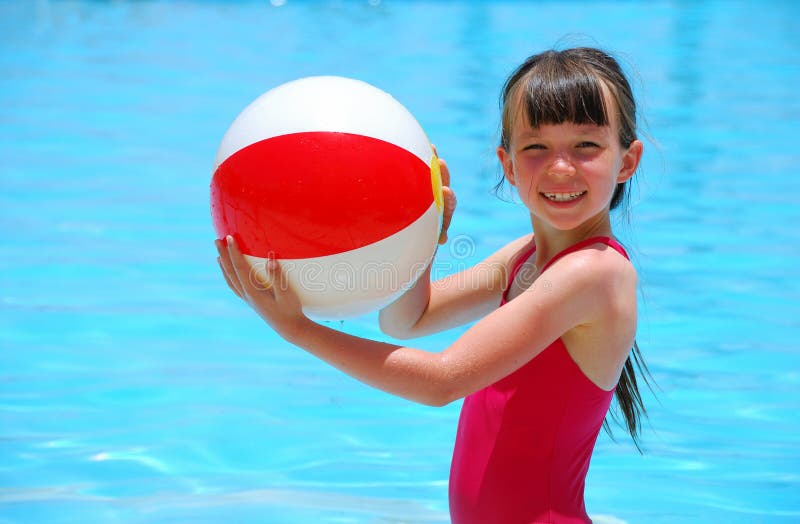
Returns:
point(318, 193)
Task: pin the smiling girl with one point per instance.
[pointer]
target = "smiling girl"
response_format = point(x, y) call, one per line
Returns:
point(555, 311)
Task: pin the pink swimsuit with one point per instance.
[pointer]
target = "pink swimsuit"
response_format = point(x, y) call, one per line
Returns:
point(524, 443)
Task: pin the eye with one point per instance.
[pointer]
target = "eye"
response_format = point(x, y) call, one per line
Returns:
point(533, 147)
point(587, 143)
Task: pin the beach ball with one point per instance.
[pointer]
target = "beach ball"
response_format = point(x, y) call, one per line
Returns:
point(336, 180)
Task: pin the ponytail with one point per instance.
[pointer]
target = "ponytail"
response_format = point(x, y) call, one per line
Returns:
point(629, 400)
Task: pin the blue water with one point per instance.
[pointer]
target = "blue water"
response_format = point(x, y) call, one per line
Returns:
point(134, 388)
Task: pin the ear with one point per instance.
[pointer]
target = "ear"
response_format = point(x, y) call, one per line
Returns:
point(630, 161)
point(508, 164)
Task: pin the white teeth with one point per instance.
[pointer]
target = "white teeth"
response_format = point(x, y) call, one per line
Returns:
point(563, 197)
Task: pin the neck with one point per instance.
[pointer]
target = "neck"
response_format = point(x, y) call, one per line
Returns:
point(550, 241)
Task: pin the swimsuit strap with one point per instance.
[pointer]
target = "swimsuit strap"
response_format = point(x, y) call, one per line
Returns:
point(576, 247)
point(518, 264)
point(588, 242)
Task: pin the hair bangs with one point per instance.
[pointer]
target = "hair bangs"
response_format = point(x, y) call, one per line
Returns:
point(557, 96)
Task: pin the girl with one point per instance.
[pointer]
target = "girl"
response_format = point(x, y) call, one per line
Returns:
point(539, 372)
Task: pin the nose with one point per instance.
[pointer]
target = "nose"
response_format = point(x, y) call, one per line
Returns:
point(562, 166)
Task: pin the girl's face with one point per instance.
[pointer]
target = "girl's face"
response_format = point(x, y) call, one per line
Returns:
point(566, 173)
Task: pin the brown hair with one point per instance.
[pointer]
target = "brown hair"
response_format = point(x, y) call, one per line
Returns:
point(554, 87)
point(567, 86)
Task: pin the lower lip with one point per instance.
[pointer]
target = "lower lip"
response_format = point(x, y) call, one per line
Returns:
point(564, 204)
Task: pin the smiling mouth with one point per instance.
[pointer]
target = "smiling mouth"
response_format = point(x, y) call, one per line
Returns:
point(563, 197)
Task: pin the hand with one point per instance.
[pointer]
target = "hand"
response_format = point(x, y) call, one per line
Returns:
point(449, 198)
point(268, 293)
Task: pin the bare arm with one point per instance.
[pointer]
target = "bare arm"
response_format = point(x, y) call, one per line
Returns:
point(494, 347)
point(453, 300)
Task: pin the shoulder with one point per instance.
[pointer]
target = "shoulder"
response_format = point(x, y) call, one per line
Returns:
point(598, 281)
point(505, 257)
point(597, 263)
point(602, 290)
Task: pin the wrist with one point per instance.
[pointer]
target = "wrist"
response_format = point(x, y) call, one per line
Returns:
point(296, 332)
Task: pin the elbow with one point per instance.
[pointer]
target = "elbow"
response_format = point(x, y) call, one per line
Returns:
point(440, 401)
point(393, 328)
point(396, 333)
point(443, 388)
point(435, 399)
point(446, 396)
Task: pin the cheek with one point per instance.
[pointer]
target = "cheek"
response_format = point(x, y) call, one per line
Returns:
point(602, 170)
point(524, 173)
point(527, 166)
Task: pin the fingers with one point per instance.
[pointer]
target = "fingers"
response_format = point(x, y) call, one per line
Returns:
point(231, 284)
point(261, 277)
point(449, 208)
point(276, 279)
point(445, 171)
point(240, 273)
point(245, 273)
point(263, 286)
point(240, 276)
point(245, 278)
point(447, 194)
point(228, 272)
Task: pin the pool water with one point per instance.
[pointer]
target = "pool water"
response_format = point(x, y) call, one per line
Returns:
point(135, 388)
